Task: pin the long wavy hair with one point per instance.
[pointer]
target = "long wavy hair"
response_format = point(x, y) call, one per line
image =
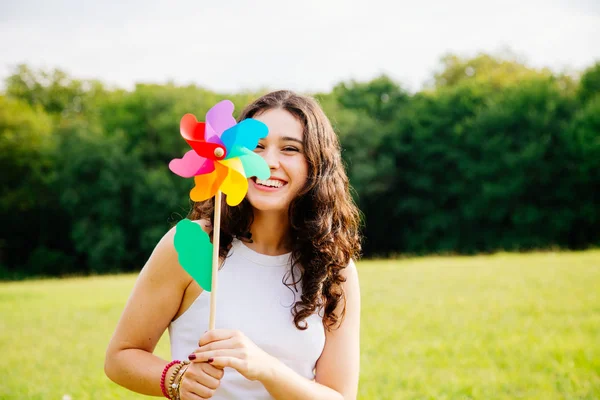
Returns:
point(324, 221)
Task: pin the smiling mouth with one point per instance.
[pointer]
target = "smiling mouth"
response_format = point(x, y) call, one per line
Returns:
point(269, 183)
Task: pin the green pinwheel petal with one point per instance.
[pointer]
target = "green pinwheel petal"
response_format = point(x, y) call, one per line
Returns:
point(254, 165)
point(194, 250)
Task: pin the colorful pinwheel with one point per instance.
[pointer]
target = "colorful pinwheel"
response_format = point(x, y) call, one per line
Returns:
point(222, 156)
point(221, 160)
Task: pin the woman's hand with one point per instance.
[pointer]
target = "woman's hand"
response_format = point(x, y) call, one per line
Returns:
point(200, 381)
point(230, 348)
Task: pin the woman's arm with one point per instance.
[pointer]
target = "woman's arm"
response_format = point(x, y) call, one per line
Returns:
point(155, 299)
point(337, 368)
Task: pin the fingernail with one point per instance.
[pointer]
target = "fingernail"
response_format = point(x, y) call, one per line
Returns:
point(211, 360)
point(192, 357)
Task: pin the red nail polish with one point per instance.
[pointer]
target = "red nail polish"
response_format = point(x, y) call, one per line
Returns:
point(211, 360)
point(192, 357)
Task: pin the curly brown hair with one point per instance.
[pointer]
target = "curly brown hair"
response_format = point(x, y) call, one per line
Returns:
point(324, 221)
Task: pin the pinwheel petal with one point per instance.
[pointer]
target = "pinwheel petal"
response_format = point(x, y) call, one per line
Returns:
point(235, 185)
point(220, 118)
point(190, 165)
point(245, 134)
point(195, 132)
point(208, 184)
point(191, 129)
point(254, 165)
point(215, 139)
point(205, 149)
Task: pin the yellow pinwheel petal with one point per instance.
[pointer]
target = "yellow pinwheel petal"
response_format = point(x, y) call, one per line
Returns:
point(208, 184)
point(235, 185)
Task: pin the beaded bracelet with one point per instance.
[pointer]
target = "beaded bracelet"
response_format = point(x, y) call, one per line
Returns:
point(164, 376)
point(172, 384)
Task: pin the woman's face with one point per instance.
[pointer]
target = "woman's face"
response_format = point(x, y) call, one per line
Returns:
point(283, 150)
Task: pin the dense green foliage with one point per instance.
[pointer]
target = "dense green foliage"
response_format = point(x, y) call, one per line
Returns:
point(493, 155)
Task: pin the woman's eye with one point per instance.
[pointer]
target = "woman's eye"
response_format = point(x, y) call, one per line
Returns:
point(290, 149)
point(260, 146)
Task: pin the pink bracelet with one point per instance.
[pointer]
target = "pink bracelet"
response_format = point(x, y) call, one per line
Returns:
point(164, 376)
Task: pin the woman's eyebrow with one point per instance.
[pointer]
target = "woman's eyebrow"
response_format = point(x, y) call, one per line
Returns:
point(286, 138)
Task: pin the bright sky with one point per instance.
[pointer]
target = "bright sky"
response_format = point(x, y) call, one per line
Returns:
point(306, 45)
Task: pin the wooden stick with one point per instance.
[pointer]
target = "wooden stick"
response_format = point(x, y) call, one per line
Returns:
point(215, 260)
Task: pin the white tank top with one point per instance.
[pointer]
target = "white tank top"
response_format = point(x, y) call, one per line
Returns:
point(253, 299)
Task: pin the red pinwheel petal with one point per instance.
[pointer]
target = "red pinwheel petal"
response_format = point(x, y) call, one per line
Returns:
point(193, 132)
point(191, 129)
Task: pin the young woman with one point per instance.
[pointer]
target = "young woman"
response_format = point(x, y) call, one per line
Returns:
point(288, 312)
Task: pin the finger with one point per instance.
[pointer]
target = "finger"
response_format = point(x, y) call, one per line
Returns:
point(231, 343)
point(213, 371)
point(185, 394)
point(192, 387)
point(231, 362)
point(199, 373)
point(217, 334)
point(207, 356)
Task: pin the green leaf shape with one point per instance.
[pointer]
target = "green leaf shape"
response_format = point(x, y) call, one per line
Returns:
point(195, 251)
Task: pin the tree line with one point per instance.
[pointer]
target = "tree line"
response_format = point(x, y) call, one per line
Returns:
point(491, 155)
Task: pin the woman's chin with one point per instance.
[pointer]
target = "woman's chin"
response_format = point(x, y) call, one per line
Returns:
point(266, 204)
point(268, 207)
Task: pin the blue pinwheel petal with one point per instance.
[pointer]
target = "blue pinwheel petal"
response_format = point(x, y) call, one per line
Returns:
point(245, 134)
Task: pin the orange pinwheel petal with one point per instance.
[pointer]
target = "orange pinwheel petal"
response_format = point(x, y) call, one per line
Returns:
point(208, 184)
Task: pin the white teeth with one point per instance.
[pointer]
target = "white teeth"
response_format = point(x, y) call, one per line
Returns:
point(269, 182)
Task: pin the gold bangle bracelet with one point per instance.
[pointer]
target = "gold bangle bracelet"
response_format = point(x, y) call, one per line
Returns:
point(179, 380)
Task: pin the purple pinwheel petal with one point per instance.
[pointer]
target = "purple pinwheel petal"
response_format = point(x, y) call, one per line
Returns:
point(219, 118)
point(215, 139)
point(208, 131)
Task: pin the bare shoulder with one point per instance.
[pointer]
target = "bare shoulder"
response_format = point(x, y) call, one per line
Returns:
point(163, 264)
point(204, 224)
point(154, 301)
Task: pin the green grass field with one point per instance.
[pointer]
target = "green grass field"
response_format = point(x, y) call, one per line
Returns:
point(488, 327)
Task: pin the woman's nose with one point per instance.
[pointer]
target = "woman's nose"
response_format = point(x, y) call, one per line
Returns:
point(271, 156)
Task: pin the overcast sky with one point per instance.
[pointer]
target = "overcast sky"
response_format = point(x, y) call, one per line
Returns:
point(306, 45)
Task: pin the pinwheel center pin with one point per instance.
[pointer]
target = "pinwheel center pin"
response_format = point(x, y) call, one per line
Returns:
point(219, 152)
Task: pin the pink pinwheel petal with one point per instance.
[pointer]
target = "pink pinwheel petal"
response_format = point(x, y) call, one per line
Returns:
point(189, 165)
point(206, 168)
point(220, 118)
